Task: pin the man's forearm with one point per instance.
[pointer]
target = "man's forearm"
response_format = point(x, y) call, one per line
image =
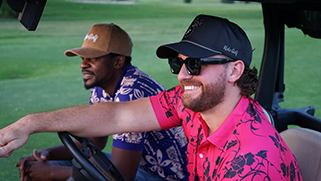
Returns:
point(60, 172)
point(81, 121)
point(96, 120)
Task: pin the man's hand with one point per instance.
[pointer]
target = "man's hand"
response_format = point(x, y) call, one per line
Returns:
point(24, 161)
point(12, 137)
point(46, 171)
point(38, 168)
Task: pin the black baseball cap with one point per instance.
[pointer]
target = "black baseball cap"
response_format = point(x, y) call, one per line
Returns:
point(208, 36)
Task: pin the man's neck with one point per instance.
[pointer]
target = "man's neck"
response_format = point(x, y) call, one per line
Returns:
point(112, 84)
point(216, 116)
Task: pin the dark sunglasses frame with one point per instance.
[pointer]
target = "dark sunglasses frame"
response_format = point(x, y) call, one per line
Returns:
point(193, 65)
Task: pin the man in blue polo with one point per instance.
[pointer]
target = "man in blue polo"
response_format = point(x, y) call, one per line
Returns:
point(107, 69)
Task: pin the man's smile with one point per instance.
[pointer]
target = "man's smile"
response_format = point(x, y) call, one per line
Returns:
point(87, 74)
point(191, 87)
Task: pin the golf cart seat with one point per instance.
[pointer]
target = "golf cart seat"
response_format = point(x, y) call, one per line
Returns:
point(269, 116)
point(306, 146)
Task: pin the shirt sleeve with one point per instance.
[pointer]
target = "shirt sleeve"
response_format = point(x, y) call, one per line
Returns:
point(134, 85)
point(166, 107)
point(97, 95)
point(130, 141)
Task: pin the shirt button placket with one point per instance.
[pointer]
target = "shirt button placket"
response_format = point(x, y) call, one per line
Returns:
point(200, 161)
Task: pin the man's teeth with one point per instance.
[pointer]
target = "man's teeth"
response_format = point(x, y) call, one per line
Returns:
point(191, 87)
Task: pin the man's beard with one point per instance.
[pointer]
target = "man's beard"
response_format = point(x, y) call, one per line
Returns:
point(90, 85)
point(212, 95)
point(95, 83)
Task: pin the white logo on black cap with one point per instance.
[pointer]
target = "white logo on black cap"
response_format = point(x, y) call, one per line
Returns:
point(196, 23)
point(91, 37)
point(231, 50)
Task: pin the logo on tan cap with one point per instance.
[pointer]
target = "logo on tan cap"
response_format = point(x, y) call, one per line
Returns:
point(91, 37)
point(103, 39)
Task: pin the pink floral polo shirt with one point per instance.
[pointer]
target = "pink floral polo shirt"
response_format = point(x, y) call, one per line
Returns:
point(245, 147)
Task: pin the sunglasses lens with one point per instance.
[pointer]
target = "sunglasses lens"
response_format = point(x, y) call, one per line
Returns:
point(193, 66)
point(176, 64)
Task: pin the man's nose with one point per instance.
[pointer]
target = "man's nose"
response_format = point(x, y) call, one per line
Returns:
point(84, 63)
point(183, 74)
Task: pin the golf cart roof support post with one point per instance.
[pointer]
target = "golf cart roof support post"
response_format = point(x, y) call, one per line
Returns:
point(272, 67)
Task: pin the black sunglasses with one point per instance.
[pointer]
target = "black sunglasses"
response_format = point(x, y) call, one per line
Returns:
point(193, 65)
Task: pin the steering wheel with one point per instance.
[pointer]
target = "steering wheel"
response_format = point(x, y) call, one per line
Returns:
point(89, 163)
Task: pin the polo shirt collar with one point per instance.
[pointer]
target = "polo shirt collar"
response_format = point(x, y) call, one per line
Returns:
point(222, 134)
point(121, 77)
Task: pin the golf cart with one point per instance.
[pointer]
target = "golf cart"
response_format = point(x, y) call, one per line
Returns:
point(302, 14)
point(303, 140)
point(306, 139)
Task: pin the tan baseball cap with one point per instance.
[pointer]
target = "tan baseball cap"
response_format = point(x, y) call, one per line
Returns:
point(103, 39)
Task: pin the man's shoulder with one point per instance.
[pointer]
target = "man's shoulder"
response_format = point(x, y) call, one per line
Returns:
point(98, 95)
point(137, 73)
point(135, 78)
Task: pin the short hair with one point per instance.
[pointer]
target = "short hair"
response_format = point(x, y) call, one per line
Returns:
point(127, 60)
point(248, 82)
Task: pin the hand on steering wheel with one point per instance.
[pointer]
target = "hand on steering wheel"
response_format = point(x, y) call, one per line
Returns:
point(90, 161)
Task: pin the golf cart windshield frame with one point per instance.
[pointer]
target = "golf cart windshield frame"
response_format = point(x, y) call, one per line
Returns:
point(305, 15)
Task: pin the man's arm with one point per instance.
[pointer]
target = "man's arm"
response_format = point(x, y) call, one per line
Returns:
point(105, 119)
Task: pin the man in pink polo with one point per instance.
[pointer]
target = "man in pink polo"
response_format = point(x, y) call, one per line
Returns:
point(228, 133)
point(229, 136)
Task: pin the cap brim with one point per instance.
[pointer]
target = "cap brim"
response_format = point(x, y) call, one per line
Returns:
point(85, 52)
point(185, 48)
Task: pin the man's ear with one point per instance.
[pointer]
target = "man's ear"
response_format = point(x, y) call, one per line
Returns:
point(237, 69)
point(119, 62)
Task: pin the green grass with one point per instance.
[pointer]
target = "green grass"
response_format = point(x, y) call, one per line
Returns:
point(36, 76)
